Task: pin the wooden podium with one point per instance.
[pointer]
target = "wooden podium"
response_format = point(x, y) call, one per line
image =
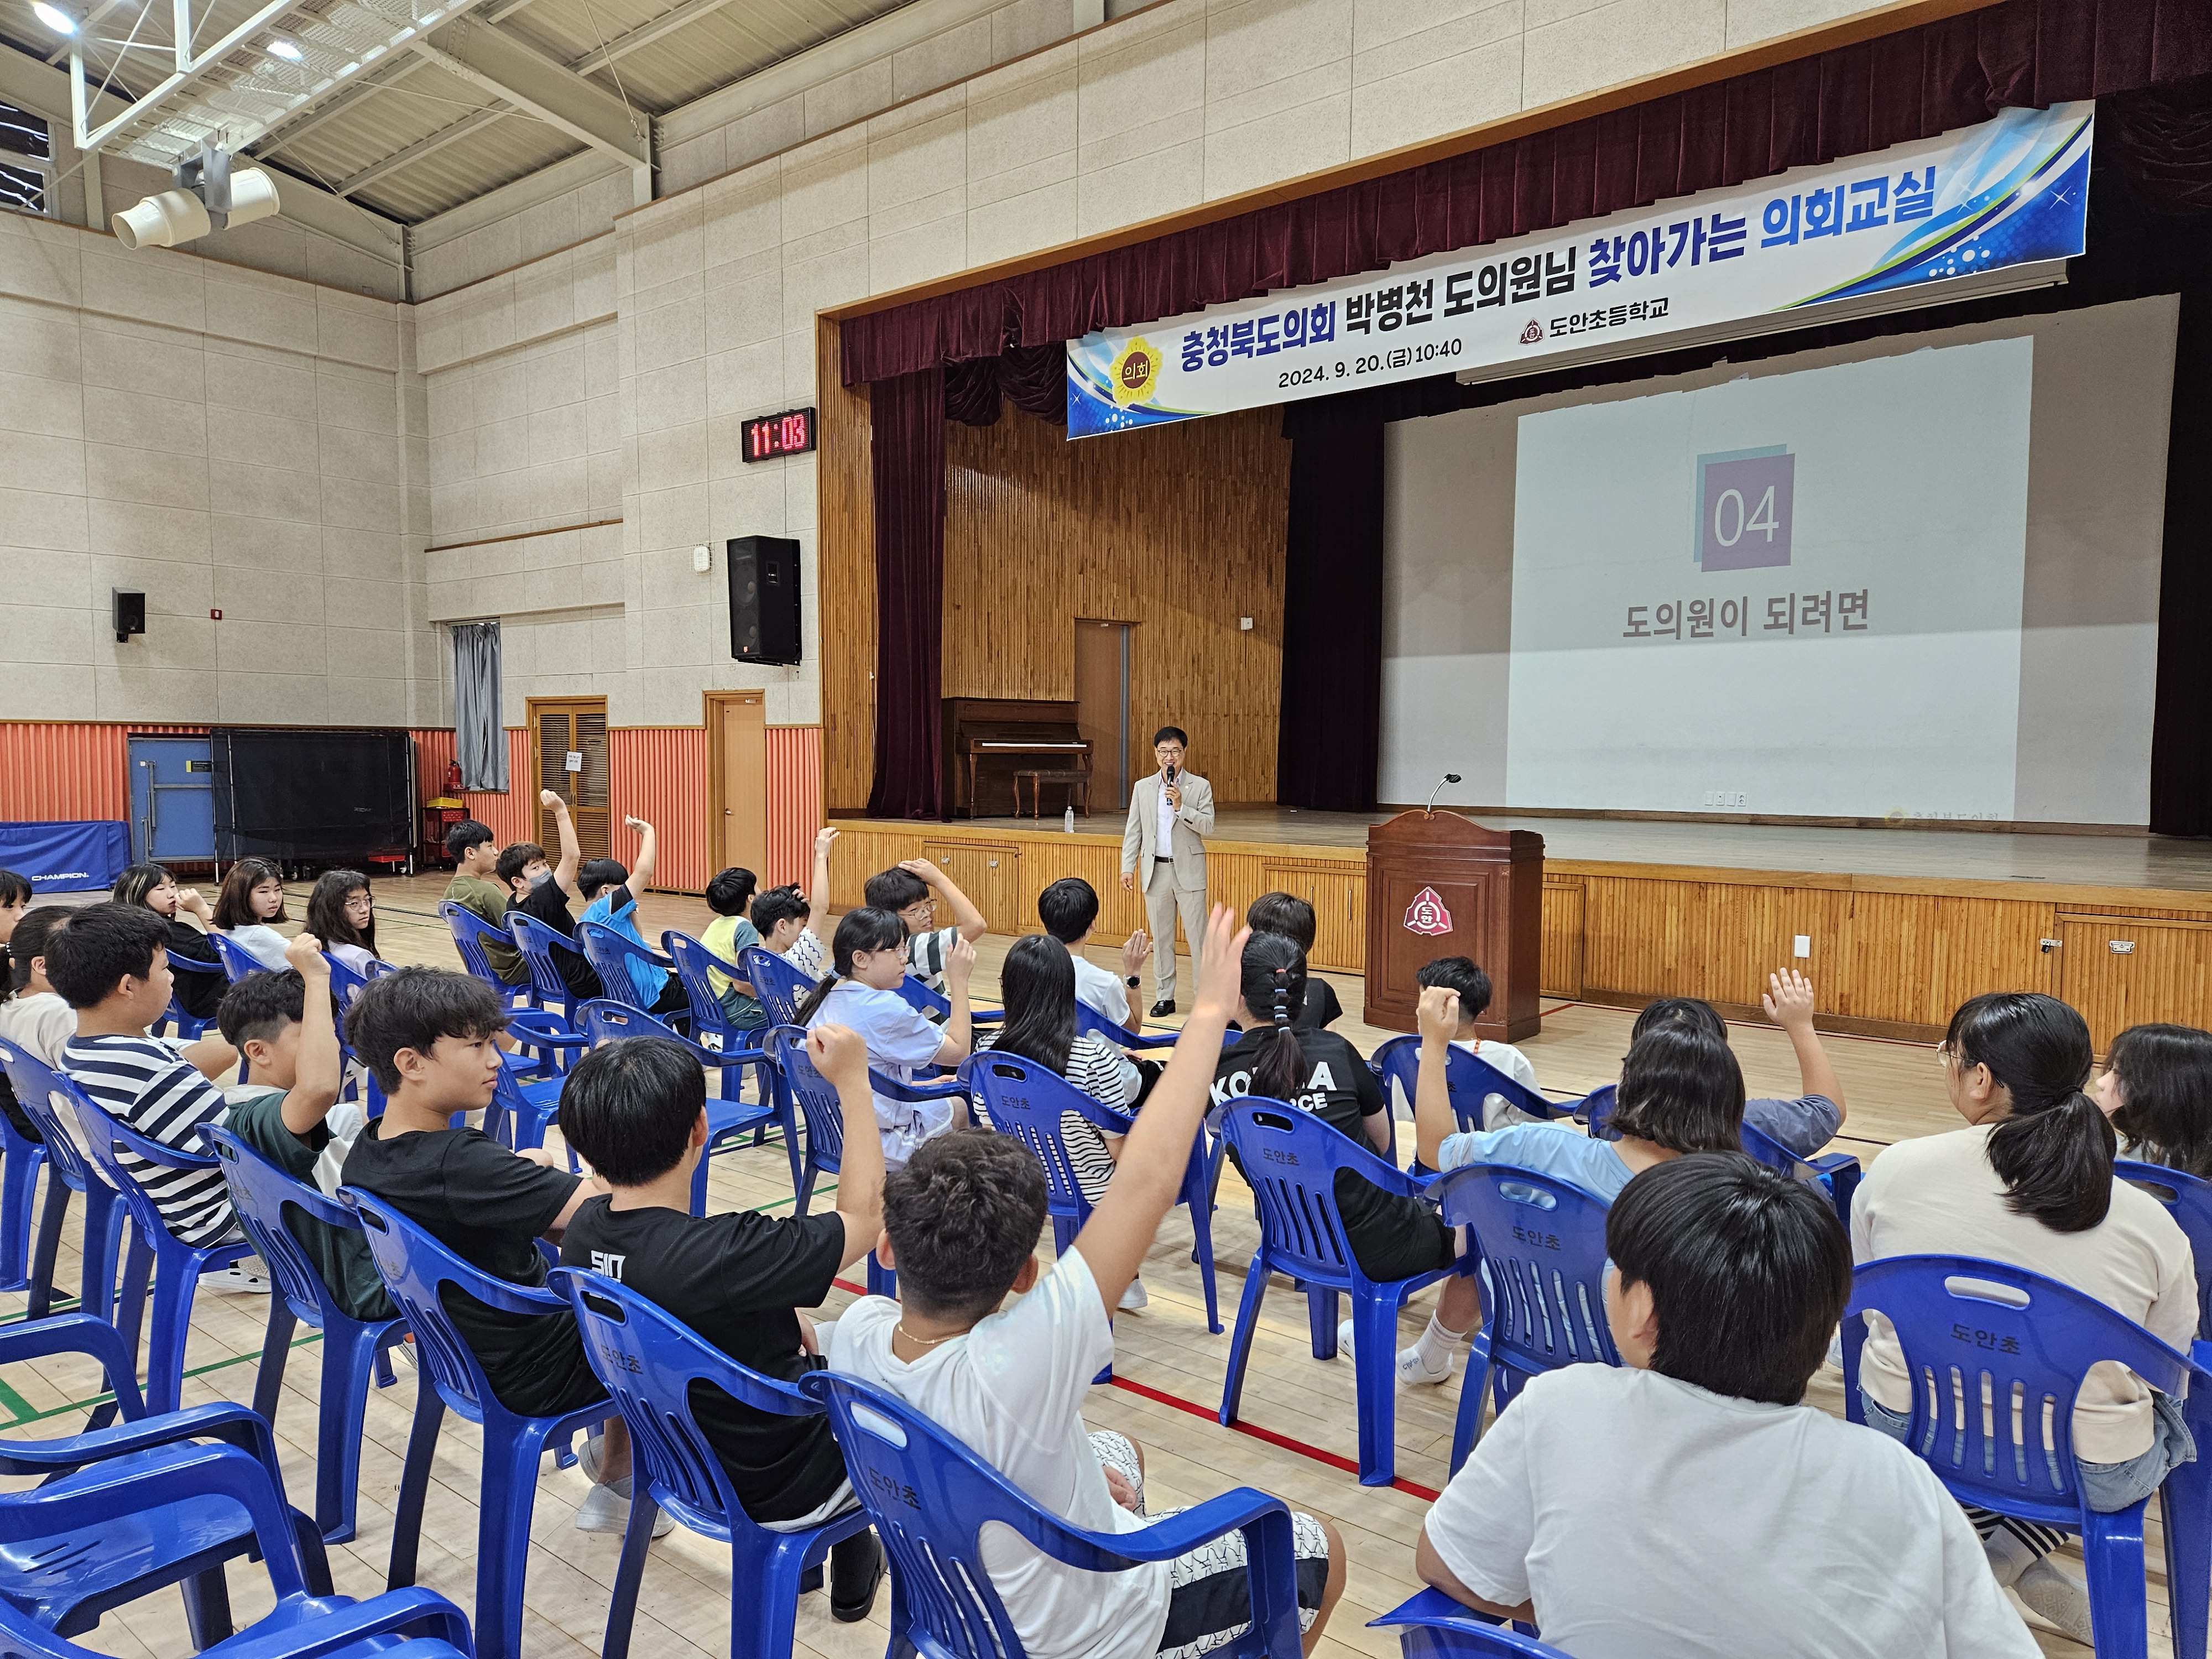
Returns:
point(1442, 886)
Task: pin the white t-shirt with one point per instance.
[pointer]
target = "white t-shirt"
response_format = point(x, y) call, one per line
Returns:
point(900, 1042)
point(1649, 1519)
point(41, 1022)
point(1497, 1112)
point(1013, 1388)
point(1938, 1196)
point(1099, 989)
point(807, 954)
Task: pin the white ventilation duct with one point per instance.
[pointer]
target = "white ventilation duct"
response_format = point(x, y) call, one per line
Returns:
point(178, 215)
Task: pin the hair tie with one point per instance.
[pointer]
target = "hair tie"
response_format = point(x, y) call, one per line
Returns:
point(1282, 996)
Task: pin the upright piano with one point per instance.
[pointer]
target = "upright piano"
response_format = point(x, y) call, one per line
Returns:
point(988, 739)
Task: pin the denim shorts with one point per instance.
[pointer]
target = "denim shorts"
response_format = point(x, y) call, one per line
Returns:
point(2107, 1487)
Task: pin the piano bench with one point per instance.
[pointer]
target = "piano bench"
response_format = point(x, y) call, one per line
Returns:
point(1078, 790)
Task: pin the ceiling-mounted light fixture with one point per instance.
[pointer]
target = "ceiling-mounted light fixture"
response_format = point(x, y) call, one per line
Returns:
point(286, 49)
point(53, 17)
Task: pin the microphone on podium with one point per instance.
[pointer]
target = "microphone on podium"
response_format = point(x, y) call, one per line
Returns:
point(1449, 777)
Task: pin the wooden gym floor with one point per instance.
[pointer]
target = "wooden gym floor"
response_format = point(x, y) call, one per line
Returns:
point(1168, 1385)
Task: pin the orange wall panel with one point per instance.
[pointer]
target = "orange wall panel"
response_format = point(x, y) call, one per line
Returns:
point(61, 772)
point(659, 773)
point(794, 802)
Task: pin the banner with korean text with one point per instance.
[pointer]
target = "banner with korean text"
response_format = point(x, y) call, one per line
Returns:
point(2011, 192)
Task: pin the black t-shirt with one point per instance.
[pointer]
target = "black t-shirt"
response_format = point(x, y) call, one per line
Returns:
point(487, 1207)
point(1336, 1086)
point(735, 1279)
point(1321, 1007)
point(548, 904)
point(198, 995)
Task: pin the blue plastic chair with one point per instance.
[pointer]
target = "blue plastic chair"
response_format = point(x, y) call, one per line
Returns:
point(158, 1260)
point(1088, 1018)
point(797, 1081)
point(2188, 1199)
point(931, 1497)
point(537, 943)
point(1837, 1174)
point(648, 1362)
point(1540, 1241)
point(64, 1573)
point(190, 1028)
point(2005, 1328)
point(20, 1160)
point(1027, 1101)
point(1290, 1160)
point(36, 1087)
point(938, 1007)
point(238, 963)
point(611, 954)
point(470, 932)
point(739, 1045)
point(416, 1268)
point(354, 1351)
point(1469, 1079)
point(1432, 1625)
point(779, 986)
point(726, 1119)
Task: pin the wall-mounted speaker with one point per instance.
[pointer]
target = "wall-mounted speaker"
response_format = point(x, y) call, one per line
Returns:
point(130, 613)
point(763, 598)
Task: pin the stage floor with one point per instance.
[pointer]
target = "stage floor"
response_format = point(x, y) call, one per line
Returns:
point(2161, 861)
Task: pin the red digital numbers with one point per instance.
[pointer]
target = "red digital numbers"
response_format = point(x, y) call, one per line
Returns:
point(766, 436)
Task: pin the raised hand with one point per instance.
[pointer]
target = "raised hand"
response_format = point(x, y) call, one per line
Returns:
point(305, 952)
point(551, 802)
point(1788, 998)
point(1221, 972)
point(960, 961)
point(1134, 951)
point(821, 840)
point(637, 826)
point(840, 1053)
point(1436, 1016)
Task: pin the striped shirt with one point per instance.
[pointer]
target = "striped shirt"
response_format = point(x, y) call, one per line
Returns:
point(927, 953)
point(148, 1083)
point(1108, 1077)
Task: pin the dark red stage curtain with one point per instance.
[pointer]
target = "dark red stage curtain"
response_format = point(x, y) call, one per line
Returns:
point(907, 418)
point(1034, 378)
point(1906, 86)
point(1331, 740)
point(2181, 733)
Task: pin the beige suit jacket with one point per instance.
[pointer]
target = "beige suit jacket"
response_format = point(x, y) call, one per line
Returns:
point(1192, 825)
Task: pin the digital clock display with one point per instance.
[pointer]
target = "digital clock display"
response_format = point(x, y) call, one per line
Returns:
point(766, 436)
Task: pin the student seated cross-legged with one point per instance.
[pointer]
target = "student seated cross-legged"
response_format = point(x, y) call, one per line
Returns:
point(1680, 1091)
point(432, 1039)
point(636, 1111)
point(111, 963)
point(1687, 1503)
point(962, 1220)
point(282, 1023)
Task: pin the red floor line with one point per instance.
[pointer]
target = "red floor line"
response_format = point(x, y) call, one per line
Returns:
point(1267, 1436)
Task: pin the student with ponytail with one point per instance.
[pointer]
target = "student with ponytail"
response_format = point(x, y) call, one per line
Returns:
point(867, 960)
point(2030, 1182)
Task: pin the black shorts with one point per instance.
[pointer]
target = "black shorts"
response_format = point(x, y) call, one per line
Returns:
point(557, 1380)
point(1399, 1238)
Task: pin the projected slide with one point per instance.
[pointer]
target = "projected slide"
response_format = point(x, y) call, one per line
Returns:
point(1798, 594)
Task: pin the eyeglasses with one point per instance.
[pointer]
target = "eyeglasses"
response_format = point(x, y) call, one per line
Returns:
point(1945, 1054)
point(920, 910)
point(359, 901)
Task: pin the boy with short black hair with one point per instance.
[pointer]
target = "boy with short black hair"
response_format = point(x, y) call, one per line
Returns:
point(960, 1221)
point(905, 890)
point(729, 936)
point(636, 1111)
point(1681, 1469)
point(1290, 916)
point(541, 891)
point(1069, 910)
point(475, 887)
point(431, 1038)
point(611, 894)
point(282, 1023)
point(1461, 973)
point(782, 915)
point(110, 963)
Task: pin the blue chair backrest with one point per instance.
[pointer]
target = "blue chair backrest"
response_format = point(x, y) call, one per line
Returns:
point(470, 931)
point(1992, 1331)
point(238, 963)
point(1597, 1111)
point(537, 943)
point(919, 996)
point(816, 1096)
point(36, 1084)
point(611, 954)
point(931, 1497)
point(781, 987)
point(1468, 1080)
point(692, 961)
point(1025, 1100)
point(1290, 1157)
point(649, 1361)
point(1432, 1625)
point(107, 1140)
point(2188, 1199)
point(605, 1020)
point(1543, 1241)
point(413, 1266)
point(260, 1192)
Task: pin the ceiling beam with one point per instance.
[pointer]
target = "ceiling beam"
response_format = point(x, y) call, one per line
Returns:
point(544, 87)
point(644, 34)
point(415, 152)
point(306, 120)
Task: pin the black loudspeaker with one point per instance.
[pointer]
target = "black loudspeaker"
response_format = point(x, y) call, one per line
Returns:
point(763, 598)
point(314, 796)
point(130, 613)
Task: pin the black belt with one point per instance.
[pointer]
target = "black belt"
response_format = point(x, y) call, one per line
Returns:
point(1162, 858)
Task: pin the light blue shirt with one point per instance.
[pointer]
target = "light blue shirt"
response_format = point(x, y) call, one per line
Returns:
point(1546, 1148)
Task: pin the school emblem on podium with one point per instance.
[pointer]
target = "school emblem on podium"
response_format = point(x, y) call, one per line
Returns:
point(1426, 914)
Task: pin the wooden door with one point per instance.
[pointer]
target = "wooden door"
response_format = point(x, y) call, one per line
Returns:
point(566, 729)
point(2119, 971)
point(1338, 893)
point(737, 738)
point(1102, 707)
point(990, 876)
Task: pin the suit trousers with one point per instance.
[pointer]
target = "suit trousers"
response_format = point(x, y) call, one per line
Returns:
point(1162, 899)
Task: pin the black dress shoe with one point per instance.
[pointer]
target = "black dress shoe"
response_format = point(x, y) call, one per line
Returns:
point(1164, 1006)
point(856, 1568)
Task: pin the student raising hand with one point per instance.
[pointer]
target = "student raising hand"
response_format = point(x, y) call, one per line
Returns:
point(840, 1053)
point(1436, 1015)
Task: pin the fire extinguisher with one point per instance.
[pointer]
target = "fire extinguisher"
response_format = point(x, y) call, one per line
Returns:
point(453, 777)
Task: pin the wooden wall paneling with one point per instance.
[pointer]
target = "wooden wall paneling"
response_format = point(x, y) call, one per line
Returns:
point(1561, 974)
point(1179, 529)
point(2164, 972)
point(991, 876)
point(845, 564)
point(1338, 893)
point(1914, 957)
point(859, 854)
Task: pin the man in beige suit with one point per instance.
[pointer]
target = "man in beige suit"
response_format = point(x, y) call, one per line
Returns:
point(1171, 815)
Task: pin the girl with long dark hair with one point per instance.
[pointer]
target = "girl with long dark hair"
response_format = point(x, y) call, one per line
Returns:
point(867, 960)
point(2030, 1182)
point(1037, 982)
point(2157, 1090)
point(152, 886)
point(342, 913)
point(252, 897)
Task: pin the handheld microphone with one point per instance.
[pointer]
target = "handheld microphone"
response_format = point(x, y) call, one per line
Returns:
point(1449, 777)
point(1171, 774)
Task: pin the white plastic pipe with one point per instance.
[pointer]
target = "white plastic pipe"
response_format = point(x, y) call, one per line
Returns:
point(177, 216)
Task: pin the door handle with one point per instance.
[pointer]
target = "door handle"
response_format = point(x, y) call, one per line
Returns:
point(2120, 947)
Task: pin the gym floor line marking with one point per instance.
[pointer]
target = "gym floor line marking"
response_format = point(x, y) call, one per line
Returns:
point(197, 1370)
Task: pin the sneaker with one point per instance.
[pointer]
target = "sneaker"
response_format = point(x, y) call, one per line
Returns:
point(856, 1568)
point(1413, 1371)
point(605, 1508)
point(2058, 1596)
point(594, 1453)
point(235, 1282)
point(1344, 1340)
point(1134, 1297)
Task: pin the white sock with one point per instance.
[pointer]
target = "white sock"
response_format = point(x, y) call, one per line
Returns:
point(1436, 1345)
point(2009, 1556)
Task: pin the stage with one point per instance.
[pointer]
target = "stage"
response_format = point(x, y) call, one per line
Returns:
point(1901, 925)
